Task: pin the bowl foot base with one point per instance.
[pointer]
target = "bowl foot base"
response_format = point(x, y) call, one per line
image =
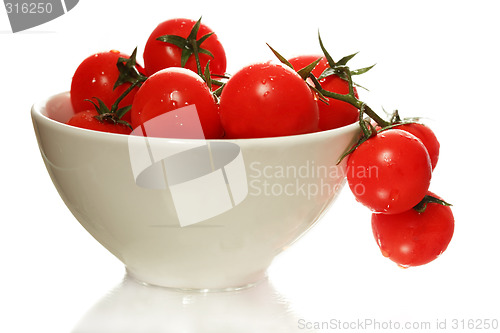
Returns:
point(257, 279)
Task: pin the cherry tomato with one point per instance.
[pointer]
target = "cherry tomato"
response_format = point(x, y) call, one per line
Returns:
point(428, 138)
point(172, 89)
point(95, 77)
point(267, 100)
point(87, 119)
point(159, 55)
point(336, 113)
point(302, 61)
point(412, 238)
point(390, 173)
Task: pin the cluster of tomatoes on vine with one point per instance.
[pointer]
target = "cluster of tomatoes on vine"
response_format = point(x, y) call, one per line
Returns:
point(388, 170)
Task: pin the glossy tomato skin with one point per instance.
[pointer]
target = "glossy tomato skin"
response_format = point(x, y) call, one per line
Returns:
point(336, 113)
point(159, 55)
point(302, 61)
point(86, 119)
point(95, 77)
point(390, 173)
point(171, 89)
point(428, 138)
point(267, 100)
point(412, 238)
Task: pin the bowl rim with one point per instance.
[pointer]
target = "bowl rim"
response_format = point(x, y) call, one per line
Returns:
point(37, 115)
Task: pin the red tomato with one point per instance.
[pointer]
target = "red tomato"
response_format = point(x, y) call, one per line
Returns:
point(336, 113)
point(390, 173)
point(302, 61)
point(267, 100)
point(172, 89)
point(411, 238)
point(428, 138)
point(159, 55)
point(95, 77)
point(87, 119)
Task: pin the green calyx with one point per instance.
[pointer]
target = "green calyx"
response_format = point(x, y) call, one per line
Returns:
point(128, 71)
point(113, 115)
point(303, 72)
point(210, 81)
point(190, 45)
point(340, 69)
point(395, 121)
point(422, 205)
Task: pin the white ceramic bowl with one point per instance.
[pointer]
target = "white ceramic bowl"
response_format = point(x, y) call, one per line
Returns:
point(191, 214)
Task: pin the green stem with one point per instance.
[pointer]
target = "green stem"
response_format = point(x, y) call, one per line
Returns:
point(349, 98)
point(362, 123)
point(422, 205)
point(194, 44)
point(358, 104)
point(375, 116)
point(347, 73)
point(114, 107)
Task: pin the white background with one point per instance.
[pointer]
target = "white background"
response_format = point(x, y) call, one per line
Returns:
point(437, 59)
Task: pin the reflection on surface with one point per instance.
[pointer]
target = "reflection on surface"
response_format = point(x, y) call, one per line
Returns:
point(133, 307)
